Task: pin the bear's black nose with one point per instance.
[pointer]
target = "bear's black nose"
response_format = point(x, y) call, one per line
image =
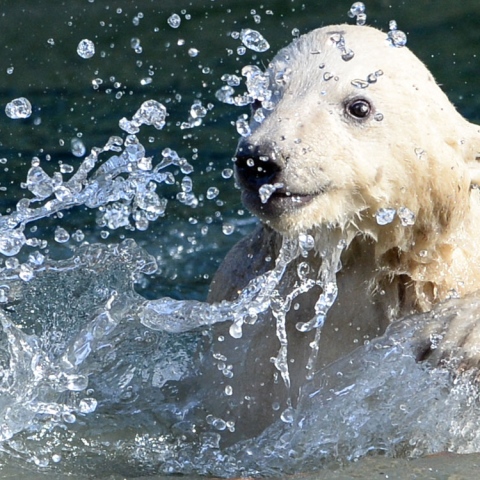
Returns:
point(256, 166)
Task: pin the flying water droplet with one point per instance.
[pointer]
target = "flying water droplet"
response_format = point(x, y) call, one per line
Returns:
point(254, 40)
point(242, 125)
point(396, 37)
point(357, 11)
point(61, 235)
point(78, 147)
point(174, 20)
point(18, 108)
point(86, 48)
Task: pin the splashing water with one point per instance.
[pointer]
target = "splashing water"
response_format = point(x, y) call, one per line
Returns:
point(90, 369)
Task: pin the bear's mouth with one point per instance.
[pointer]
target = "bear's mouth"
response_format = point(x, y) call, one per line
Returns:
point(281, 201)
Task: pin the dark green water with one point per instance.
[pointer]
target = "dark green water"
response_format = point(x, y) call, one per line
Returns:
point(39, 42)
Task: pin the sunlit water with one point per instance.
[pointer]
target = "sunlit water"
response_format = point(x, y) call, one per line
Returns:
point(100, 376)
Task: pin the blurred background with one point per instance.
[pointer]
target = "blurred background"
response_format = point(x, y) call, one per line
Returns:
point(139, 56)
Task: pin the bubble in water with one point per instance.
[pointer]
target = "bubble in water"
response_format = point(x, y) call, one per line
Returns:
point(18, 108)
point(86, 48)
point(174, 20)
point(396, 37)
point(384, 216)
point(193, 52)
point(254, 40)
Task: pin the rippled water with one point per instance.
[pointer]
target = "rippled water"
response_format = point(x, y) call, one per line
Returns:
point(102, 372)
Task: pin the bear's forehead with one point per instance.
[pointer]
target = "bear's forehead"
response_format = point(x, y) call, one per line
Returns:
point(348, 52)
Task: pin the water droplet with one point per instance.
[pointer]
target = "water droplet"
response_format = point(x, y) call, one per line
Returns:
point(347, 55)
point(227, 173)
point(86, 48)
point(174, 20)
point(396, 37)
point(254, 40)
point(420, 153)
point(406, 216)
point(18, 108)
point(26, 272)
point(212, 193)
point(69, 417)
point(87, 405)
point(378, 117)
point(61, 235)
point(287, 415)
point(228, 228)
point(358, 83)
point(357, 11)
point(243, 128)
point(193, 52)
point(77, 147)
point(384, 216)
point(267, 190)
point(306, 242)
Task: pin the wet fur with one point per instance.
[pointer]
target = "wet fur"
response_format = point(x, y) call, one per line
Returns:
point(422, 155)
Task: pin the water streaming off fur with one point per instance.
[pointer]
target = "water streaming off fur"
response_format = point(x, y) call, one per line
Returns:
point(97, 379)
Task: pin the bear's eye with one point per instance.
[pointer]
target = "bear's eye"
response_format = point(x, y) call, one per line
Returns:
point(359, 108)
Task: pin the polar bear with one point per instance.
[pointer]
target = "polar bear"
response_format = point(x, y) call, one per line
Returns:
point(354, 140)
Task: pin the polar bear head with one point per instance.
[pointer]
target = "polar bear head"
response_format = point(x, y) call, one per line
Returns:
point(348, 130)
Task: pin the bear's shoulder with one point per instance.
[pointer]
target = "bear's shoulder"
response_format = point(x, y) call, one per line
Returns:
point(251, 256)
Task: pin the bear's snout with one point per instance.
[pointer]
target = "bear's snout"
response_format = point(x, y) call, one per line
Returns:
point(256, 166)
